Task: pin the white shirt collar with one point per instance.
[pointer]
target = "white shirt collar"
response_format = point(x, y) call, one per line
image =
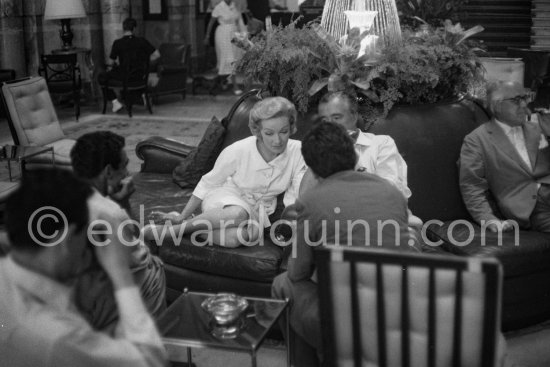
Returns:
point(364, 139)
point(505, 127)
point(278, 162)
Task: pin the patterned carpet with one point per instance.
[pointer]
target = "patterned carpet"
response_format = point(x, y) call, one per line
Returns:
point(135, 129)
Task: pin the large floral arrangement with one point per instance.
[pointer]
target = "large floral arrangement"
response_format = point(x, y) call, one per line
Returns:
point(428, 66)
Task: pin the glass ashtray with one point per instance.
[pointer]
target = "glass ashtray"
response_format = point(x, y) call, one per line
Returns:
point(225, 308)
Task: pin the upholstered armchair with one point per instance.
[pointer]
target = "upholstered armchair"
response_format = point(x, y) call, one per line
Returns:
point(171, 70)
point(5, 75)
point(33, 121)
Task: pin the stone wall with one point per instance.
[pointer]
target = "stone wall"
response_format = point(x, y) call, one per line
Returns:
point(25, 35)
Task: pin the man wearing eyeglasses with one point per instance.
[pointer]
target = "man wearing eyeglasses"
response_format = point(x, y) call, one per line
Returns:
point(505, 164)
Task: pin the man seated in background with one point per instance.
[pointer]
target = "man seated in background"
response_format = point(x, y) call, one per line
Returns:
point(47, 223)
point(128, 52)
point(337, 210)
point(505, 164)
point(99, 159)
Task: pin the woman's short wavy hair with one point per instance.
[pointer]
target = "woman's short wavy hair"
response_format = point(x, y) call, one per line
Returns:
point(272, 107)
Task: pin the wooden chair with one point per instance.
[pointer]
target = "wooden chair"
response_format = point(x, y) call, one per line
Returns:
point(62, 75)
point(132, 81)
point(383, 308)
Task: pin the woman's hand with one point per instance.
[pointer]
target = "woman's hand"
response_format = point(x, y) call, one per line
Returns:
point(173, 217)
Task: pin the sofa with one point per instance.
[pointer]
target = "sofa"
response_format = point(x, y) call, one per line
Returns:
point(429, 138)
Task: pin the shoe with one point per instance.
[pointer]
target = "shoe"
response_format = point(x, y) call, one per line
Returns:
point(237, 92)
point(117, 106)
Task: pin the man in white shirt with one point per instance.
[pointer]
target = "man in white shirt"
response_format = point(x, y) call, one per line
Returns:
point(99, 159)
point(47, 223)
point(505, 164)
point(377, 154)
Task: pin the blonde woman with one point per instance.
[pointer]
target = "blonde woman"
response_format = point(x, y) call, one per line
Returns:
point(240, 192)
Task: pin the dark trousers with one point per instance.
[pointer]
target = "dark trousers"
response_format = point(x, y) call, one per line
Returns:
point(305, 325)
point(105, 77)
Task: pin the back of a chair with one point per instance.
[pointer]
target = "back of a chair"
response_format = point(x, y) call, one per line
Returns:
point(61, 72)
point(383, 308)
point(31, 114)
point(174, 54)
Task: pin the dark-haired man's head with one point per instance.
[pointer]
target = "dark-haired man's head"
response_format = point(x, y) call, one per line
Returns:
point(48, 213)
point(129, 24)
point(100, 159)
point(340, 108)
point(328, 149)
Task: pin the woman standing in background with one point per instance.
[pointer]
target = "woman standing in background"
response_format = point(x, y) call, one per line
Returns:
point(230, 21)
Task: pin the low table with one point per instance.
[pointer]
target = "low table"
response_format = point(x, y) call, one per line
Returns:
point(185, 325)
point(20, 153)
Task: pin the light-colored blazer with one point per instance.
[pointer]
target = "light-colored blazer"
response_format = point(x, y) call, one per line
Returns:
point(491, 167)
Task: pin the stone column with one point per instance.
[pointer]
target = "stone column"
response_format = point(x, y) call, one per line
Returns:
point(95, 18)
point(113, 12)
point(190, 26)
point(178, 24)
point(12, 39)
point(32, 26)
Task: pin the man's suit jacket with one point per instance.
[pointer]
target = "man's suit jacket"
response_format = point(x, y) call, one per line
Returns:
point(492, 169)
point(339, 210)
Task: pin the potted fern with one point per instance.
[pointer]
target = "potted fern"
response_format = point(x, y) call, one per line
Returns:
point(429, 66)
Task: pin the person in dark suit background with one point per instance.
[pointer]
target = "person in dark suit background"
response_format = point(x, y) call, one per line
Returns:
point(328, 213)
point(505, 164)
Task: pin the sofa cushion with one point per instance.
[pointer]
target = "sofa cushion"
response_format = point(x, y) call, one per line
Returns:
point(201, 160)
point(156, 192)
point(260, 263)
point(520, 252)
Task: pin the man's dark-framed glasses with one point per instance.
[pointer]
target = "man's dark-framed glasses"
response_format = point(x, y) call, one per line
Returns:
point(518, 99)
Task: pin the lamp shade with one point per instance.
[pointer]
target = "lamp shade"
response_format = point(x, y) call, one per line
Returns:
point(386, 23)
point(64, 9)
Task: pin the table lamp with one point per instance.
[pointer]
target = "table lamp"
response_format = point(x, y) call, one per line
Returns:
point(64, 10)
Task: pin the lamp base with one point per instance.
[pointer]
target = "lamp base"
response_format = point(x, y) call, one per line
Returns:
point(66, 34)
